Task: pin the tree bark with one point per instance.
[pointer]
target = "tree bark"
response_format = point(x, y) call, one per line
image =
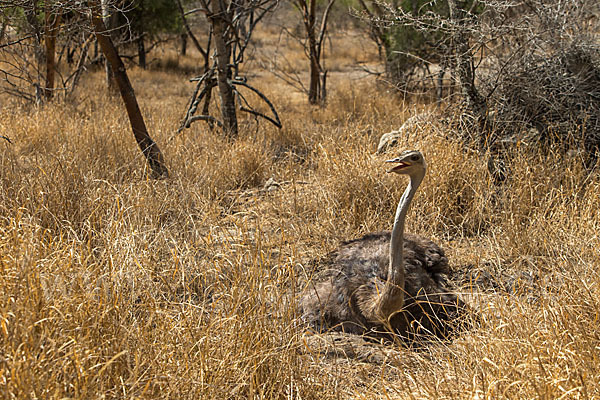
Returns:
point(315, 69)
point(315, 73)
point(147, 145)
point(108, 20)
point(223, 70)
point(52, 25)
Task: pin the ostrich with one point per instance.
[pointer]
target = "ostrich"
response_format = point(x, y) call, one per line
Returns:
point(387, 281)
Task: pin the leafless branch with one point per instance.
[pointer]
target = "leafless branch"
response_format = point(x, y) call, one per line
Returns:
point(275, 120)
point(205, 118)
point(189, 30)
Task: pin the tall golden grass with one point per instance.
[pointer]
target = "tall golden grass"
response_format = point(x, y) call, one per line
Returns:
point(116, 286)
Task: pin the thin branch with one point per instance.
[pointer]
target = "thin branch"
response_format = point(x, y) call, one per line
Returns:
point(324, 25)
point(189, 31)
point(195, 10)
point(276, 121)
point(193, 104)
point(253, 22)
point(206, 118)
point(80, 64)
point(196, 98)
point(17, 41)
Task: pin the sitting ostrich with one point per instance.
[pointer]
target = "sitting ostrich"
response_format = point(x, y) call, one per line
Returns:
point(387, 282)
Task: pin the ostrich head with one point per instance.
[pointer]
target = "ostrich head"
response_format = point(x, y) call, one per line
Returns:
point(410, 162)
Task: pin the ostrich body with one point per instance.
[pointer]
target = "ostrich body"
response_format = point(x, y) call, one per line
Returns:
point(386, 281)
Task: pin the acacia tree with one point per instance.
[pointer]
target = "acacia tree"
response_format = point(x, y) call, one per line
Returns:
point(464, 60)
point(415, 36)
point(524, 72)
point(412, 36)
point(230, 27)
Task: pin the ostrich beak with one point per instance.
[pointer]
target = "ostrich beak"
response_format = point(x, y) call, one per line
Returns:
point(401, 164)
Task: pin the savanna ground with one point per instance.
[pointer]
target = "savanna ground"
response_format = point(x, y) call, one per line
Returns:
point(117, 286)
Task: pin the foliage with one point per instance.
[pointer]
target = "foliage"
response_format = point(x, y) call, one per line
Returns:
point(407, 47)
point(153, 17)
point(523, 71)
point(412, 35)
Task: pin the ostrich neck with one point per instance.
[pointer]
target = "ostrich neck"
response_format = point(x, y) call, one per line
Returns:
point(396, 267)
point(391, 299)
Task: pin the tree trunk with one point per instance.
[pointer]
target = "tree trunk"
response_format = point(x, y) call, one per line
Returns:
point(52, 24)
point(223, 71)
point(147, 145)
point(314, 88)
point(324, 86)
point(141, 51)
point(108, 23)
point(315, 36)
point(31, 11)
point(184, 38)
point(141, 29)
point(315, 68)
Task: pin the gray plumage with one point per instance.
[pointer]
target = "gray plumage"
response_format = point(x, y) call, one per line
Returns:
point(419, 302)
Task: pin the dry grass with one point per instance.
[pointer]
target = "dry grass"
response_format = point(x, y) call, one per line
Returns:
point(115, 286)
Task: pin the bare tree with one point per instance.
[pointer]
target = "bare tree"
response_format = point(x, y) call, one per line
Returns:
point(205, 52)
point(230, 24)
point(525, 72)
point(406, 40)
point(315, 35)
point(541, 73)
point(109, 19)
point(217, 14)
